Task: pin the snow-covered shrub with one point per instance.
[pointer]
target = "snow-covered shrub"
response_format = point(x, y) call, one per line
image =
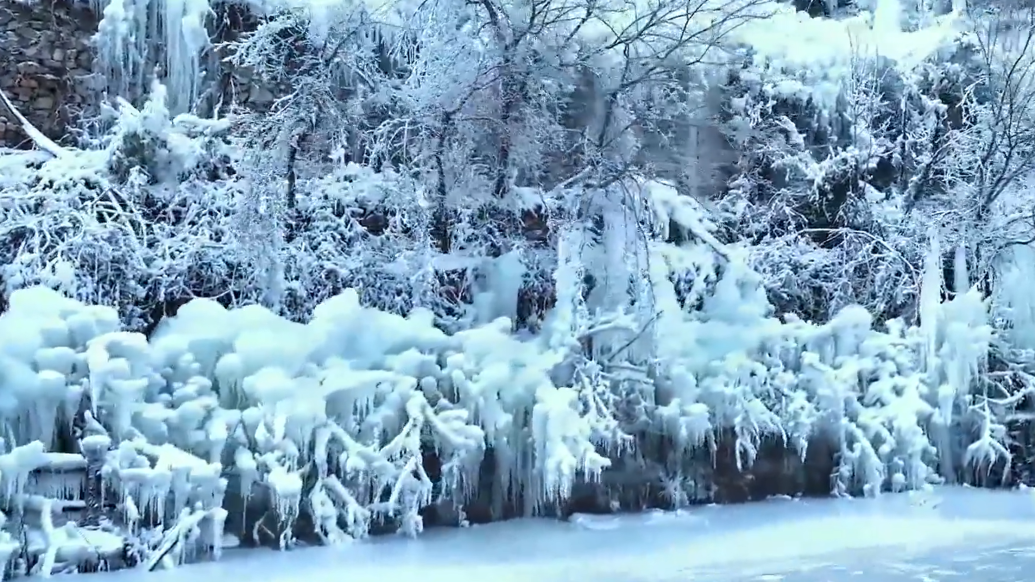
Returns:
point(167, 148)
point(819, 187)
point(445, 277)
point(332, 418)
point(362, 418)
point(135, 223)
point(848, 158)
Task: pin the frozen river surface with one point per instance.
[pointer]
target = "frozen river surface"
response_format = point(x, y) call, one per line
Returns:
point(944, 535)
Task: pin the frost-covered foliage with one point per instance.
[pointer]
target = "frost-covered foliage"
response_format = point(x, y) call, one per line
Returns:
point(132, 223)
point(846, 171)
point(845, 168)
point(492, 259)
point(332, 423)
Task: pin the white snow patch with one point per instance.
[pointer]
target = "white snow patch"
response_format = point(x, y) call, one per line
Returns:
point(791, 37)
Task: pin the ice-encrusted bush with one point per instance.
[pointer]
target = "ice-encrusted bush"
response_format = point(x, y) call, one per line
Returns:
point(885, 399)
point(331, 418)
point(240, 421)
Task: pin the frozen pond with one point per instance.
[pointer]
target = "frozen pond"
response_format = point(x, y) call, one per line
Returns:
point(1003, 563)
point(948, 534)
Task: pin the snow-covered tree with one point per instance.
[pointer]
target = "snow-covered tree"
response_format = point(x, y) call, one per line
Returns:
point(479, 260)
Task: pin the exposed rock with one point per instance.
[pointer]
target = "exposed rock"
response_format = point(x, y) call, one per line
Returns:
point(45, 65)
point(47, 69)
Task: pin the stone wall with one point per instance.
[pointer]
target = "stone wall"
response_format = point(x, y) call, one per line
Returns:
point(45, 65)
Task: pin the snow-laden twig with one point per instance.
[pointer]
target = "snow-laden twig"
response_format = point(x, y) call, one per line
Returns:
point(43, 142)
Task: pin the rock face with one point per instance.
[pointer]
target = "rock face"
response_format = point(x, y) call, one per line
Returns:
point(45, 65)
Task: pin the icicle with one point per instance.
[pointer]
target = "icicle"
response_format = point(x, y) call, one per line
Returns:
point(931, 299)
point(1013, 298)
point(961, 279)
point(217, 530)
point(130, 511)
point(46, 565)
point(287, 492)
point(568, 283)
point(247, 470)
point(563, 448)
point(133, 33)
point(66, 486)
point(180, 487)
point(612, 290)
point(185, 39)
point(117, 58)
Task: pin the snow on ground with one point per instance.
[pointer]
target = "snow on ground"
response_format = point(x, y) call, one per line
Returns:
point(946, 534)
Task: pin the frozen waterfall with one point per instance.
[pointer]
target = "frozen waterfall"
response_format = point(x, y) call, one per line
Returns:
point(137, 38)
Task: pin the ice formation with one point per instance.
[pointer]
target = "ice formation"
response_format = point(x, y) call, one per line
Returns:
point(222, 412)
point(135, 36)
point(333, 419)
point(1014, 303)
point(787, 38)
